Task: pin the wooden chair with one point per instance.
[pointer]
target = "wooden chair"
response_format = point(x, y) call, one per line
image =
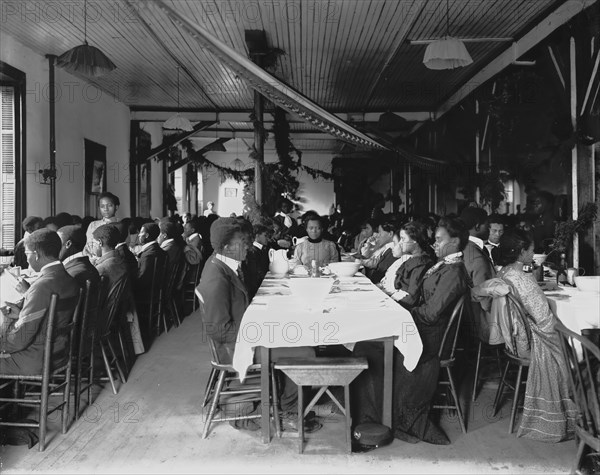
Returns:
point(584, 384)
point(517, 311)
point(189, 285)
point(485, 353)
point(447, 358)
point(151, 322)
point(323, 372)
point(223, 387)
point(107, 330)
point(55, 378)
point(167, 309)
point(86, 343)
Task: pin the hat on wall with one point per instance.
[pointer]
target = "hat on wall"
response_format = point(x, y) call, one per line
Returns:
point(369, 436)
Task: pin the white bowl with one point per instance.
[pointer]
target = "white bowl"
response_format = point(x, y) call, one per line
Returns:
point(344, 269)
point(310, 292)
point(539, 259)
point(588, 283)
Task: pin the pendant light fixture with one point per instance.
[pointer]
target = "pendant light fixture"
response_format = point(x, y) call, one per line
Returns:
point(448, 52)
point(85, 59)
point(177, 122)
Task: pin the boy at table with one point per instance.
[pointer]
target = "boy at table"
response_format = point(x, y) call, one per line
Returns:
point(223, 301)
point(21, 346)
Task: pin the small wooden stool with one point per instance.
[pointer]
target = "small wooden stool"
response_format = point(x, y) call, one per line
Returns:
point(323, 372)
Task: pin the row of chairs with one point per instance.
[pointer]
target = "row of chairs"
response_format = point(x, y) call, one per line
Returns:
point(97, 321)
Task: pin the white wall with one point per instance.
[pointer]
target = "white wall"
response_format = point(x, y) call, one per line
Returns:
point(82, 112)
point(316, 194)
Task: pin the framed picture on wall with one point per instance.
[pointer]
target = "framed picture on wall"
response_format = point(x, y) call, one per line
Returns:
point(95, 174)
point(231, 192)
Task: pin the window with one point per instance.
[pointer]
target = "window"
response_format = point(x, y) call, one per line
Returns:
point(12, 202)
point(7, 183)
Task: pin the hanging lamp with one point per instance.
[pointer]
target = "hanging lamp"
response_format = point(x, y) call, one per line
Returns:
point(177, 122)
point(85, 59)
point(448, 52)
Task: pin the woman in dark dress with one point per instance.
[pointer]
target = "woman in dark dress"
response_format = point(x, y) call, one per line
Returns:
point(443, 284)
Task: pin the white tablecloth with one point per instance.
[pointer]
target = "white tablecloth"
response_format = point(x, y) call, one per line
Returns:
point(355, 310)
point(575, 309)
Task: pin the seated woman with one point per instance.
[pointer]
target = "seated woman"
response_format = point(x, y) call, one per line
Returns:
point(315, 247)
point(374, 247)
point(548, 414)
point(388, 259)
point(443, 284)
point(367, 228)
point(404, 284)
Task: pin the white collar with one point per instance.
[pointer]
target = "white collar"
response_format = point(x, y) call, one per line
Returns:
point(165, 242)
point(114, 219)
point(146, 246)
point(492, 244)
point(451, 258)
point(120, 245)
point(50, 264)
point(229, 262)
point(258, 245)
point(476, 240)
point(192, 236)
point(73, 257)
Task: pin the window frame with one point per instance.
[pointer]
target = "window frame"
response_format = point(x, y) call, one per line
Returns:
point(11, 76)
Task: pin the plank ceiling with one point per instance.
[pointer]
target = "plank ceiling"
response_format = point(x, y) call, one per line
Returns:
point(345, 55)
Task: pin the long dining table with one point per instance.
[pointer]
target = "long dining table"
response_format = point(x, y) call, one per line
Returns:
point(354, 310)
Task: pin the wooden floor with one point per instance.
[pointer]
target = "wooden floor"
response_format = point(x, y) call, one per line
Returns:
point(154, 424)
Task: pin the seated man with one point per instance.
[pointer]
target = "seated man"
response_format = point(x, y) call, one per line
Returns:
point(21, 340)
point(71, 254)
point(172, 243)
point(224, 300)
point(142, 284)
point(30, 224)
point(123, 249)
point(109, 264)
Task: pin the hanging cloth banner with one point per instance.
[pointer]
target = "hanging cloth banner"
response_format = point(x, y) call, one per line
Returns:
point(268, 85)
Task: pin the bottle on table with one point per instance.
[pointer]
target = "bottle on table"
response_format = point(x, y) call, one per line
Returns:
point(561, 273)
point(314, 269)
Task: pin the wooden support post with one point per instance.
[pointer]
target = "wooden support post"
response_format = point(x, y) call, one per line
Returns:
point(259, 144)
point(477, 192)
point(574, 174)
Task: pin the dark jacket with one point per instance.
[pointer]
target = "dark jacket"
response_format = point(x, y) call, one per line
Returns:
point(143, 281)
point(130, 260)
point(439, 293)
point(24, 338)
point(81, 269)
point(223, 303)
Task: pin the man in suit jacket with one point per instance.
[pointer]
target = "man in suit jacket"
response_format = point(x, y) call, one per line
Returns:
point(22, 340)
point(496, 227)
point(223, 301)
point(172, 243)
point(142, 285)
point(123, 249)
point(71, 254)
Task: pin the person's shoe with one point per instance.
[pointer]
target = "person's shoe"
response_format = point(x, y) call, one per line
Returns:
point(289, 421)
point(251, 425)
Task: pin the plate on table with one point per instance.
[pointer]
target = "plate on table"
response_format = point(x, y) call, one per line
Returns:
point(559, 296)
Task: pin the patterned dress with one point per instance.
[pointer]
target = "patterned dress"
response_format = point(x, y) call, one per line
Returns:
point(549, 414)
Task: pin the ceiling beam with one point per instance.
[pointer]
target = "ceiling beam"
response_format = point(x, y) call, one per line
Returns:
point(249, 134)
point(244, 116)
point(196, 153)
point(174, 141)
point(536, 35)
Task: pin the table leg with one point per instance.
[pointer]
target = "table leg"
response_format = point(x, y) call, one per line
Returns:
point(388, 380)
point(265, 402)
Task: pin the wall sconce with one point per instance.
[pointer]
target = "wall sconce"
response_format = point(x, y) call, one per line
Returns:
point(48, 174)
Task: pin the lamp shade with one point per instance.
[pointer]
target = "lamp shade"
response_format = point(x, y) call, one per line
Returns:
point(87, 60)
point(448, 53)
point(177, 122)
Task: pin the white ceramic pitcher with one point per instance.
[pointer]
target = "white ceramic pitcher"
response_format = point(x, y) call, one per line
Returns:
point(279, 265)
